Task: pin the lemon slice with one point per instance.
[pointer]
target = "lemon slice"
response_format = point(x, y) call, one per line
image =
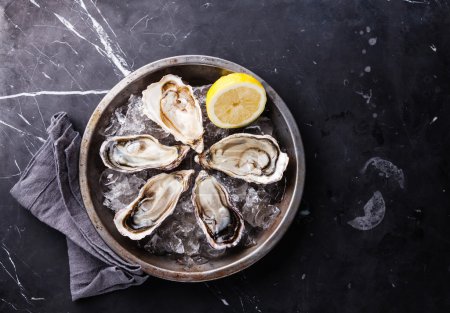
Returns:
point(235, 100)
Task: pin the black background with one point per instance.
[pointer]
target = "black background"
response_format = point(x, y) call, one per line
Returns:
point(316, 55)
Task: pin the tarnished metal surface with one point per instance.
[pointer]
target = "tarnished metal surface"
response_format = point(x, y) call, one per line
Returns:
point(197, 70)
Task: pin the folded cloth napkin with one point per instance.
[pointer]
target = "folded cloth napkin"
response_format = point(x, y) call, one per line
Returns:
point(49, 188)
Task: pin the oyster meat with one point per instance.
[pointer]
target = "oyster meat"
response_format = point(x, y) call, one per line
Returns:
point(253, 158)
point(139, 152)
point(172, 105)
point(157, 200)
point(221, 223)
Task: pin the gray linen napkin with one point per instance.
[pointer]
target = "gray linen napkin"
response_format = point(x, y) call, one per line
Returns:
point(49, 188)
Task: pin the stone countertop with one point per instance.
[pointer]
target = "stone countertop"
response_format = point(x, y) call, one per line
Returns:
point(368, 83)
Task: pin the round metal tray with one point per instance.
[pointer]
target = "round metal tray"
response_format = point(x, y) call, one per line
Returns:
point(196, 70)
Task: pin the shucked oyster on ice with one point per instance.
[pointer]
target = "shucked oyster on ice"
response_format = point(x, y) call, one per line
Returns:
point(172, 105)
point(157, 200)
point(254, 158)
point(139, 152)
point(221, 223)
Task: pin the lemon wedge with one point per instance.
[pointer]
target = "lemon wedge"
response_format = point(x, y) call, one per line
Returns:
point(235, 100)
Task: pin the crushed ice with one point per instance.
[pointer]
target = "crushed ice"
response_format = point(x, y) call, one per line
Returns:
point(129, 120)
point(179, 235)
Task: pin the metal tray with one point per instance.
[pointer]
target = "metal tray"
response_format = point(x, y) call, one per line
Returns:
point(196, 70)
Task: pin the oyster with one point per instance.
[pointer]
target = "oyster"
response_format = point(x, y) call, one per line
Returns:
point(157, 200)
point(172, 105)
point(221, 223)
point(254, 158)
point(139, 152)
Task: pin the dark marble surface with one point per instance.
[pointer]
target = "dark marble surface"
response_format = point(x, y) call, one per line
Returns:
point(363, 79)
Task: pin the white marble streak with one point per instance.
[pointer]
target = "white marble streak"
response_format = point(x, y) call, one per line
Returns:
point(72, 77)
point(10, 176)
point(3, 145)
point(35, 3)
point(20, 172)
point(55, 93)
point(187, 34)
point(43, 54)
point(415, 2)
point(21, 131)
point(15, 277)
point(67, 44)
point(70, 27)
point(73, 30)
point(18, 167)
point(111, 56)
point(132, 27)
point(104, 19)
point(12, 306)
point(40, 113)
point(26, 146)
point(18, 231)
point(46, 75)
point(31, 143)
point(242, 304)
point(366, 96)
point(25, 139)
point(24, 119)
point(108, 45)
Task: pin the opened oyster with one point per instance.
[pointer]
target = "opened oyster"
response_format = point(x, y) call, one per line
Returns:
point(254, 158)
point(139, 152)
point(221, 223)
point(157, 200)
point(172, 105)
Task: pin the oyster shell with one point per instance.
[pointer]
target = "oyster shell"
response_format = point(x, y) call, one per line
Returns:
point(157, 200)
point(172, 105)
point(221, 223)
point(139, 152)
point(254, 158)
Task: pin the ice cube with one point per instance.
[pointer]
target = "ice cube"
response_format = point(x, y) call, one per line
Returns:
point(266, 215)
point(155, 130)
point(109, 177)
point(210, 253)
point(248, 238)
point(134, 119)
point(176, 245)
point(200, 93)
point(185, 226)
point(257, 211)
point(236, 188)
point(191, 245)
point(262, 126)
point(186, 260)
point(185, 202)
point(198, 259)
point(115, 122)
point(119, 189)
point(135, 182)
point(155, 245)
point(275, 191)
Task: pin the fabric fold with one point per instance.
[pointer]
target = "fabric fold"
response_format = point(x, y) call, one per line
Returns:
point(49, 189)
